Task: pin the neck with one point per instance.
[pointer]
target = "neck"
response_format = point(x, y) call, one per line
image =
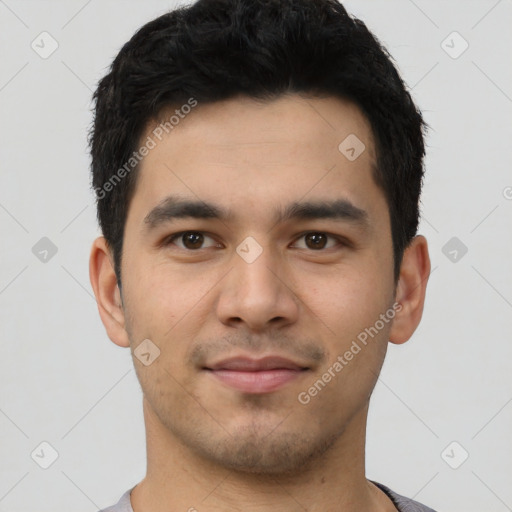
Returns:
point(177, 479)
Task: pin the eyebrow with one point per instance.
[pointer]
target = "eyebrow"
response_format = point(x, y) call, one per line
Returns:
point(177, 207)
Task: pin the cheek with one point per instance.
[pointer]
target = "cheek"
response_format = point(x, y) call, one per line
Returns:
point(356, 348)
point(168, 306)
point(356, 341)
point(152, 302)
point(346, 301)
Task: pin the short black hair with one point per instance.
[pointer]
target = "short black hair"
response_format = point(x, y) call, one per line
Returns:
point(215, 50)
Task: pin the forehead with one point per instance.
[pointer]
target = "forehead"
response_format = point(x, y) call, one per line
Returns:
point(244, 153)
point(250, 125)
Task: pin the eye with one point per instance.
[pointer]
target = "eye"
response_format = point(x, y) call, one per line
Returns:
point(194, 241)
point(317, 240)
point(190, 240)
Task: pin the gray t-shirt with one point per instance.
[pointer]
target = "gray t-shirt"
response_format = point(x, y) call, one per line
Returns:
point(402, 503)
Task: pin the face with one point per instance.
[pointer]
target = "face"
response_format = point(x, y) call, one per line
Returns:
point(257, 294)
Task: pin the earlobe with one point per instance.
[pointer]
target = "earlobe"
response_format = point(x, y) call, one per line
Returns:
point(108, 297)
point(411, 290)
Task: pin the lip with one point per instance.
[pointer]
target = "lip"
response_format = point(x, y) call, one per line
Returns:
point(249, 364)
point(256, 376)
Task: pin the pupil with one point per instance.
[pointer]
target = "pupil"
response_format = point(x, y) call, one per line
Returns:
point(193, 239)
point(317, 239)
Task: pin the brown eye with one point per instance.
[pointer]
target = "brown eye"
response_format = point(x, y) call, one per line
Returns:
point(317, 241)
point(192, 240)
point(189, 240)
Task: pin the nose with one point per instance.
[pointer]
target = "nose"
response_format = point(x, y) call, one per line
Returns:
point(258, 294)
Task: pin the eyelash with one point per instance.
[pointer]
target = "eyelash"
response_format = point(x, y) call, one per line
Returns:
point(170, 239)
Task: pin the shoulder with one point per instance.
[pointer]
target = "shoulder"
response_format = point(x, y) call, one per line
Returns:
point(402, 503)
point(123, 505)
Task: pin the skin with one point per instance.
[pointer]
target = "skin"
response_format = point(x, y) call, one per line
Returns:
point(213, 447)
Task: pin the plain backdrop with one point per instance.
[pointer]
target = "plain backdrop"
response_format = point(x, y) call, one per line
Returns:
point(443, 396)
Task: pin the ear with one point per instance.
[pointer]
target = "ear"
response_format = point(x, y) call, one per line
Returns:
point(104, 283)
point(411, 289)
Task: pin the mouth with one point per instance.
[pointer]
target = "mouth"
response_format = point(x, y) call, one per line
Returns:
point(256, 376)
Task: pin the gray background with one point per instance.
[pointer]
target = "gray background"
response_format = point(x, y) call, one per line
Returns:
point(64, 382)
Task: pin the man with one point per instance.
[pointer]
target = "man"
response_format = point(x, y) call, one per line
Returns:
point(257, 166)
